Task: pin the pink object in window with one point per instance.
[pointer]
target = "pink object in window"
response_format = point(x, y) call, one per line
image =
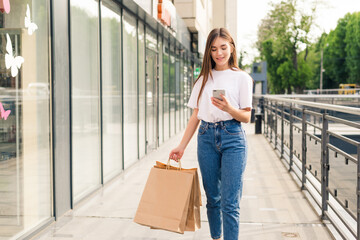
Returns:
point(5, 6)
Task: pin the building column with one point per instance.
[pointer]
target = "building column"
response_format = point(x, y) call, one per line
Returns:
point(61, 106)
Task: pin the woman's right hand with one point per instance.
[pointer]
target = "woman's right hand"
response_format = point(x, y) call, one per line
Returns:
point(177, 153)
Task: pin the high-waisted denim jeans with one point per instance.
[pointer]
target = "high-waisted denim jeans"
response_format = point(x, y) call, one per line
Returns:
point(222, 152)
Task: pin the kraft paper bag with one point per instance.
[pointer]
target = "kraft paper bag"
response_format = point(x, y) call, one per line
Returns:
point(165, 200)
point(193, 221)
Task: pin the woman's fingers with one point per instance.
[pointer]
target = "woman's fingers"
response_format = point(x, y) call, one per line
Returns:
point(217, 103)
point(174, 156)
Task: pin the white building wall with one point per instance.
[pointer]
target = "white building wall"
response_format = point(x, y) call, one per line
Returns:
point(198, 16)
point(219, 13)
point(231, 20)
point(225, 14)
point(204, 19)
point(202, 16)
point(146, 5)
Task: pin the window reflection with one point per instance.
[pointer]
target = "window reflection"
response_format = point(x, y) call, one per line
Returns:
point(142, 100)
point(25, 172)
point(172, 91)
point(130, 89)
point(111, 90)
point(161, 91)
point(166, 92)
point(85, 97)
point(151, 91)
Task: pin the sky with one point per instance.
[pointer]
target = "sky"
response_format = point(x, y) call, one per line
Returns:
point(251, 13)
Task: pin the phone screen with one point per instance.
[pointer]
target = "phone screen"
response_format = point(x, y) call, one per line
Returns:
point(217, 92)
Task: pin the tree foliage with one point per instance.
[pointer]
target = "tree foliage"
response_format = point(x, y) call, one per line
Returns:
point(352, 41)
point(342, 52)
point(282, 35)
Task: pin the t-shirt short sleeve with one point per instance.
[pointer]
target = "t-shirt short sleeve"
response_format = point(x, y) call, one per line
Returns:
point(246, 91)
point(192, 103)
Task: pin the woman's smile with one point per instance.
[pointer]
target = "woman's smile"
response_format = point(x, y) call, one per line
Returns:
point(220, 53)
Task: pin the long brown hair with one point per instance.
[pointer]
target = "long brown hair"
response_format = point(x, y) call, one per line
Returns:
point(208, 63)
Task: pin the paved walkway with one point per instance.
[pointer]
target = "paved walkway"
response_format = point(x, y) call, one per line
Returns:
point(273, 207)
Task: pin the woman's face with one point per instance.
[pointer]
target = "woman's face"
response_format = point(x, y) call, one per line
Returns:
point(220, 53)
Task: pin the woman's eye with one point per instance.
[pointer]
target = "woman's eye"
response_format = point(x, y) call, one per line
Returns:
point(223, 48)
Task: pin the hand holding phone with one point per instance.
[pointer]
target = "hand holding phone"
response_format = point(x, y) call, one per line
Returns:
point(218, 92)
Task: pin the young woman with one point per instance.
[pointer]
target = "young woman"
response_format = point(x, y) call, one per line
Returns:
point(222, 148)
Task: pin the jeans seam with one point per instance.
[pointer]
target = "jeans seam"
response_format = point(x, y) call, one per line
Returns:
point(233, 134)
point(216, 237)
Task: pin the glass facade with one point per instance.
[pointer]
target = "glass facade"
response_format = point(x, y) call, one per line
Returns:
point(142, 89)
point(172, 91)
point(25, 123)
point(128, 85)
point(181, 97)
point(161, 91)
point(130, 91)
point(178, 107)
point(151, 91)
point(111, 89)
point(166, 89)
point(85, 84)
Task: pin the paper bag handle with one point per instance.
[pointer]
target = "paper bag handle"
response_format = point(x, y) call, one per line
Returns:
point(168, 163)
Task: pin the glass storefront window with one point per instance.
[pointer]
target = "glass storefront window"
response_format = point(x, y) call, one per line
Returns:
point(142, 100)
point(182, 95)
point(25, 126)
point(172, 91)
point(130, 89)
point(166, 92)
point(151, 91)
point(161, 90)
point(85, 97)
point(178, 107)
point(111, 90)
point(187, 89)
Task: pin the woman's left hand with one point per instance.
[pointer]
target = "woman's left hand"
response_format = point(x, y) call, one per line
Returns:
point(221, 104)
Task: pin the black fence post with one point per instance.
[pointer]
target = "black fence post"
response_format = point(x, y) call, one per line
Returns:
point(282, 131)
point(358, 193)
point(275, 123)
point(262, 107)
point(324, 165)
point(304, 150)
point(266, 118)
point(291, 137)
point(271, 122)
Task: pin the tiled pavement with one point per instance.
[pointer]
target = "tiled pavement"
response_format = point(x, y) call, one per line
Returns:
point(272, 207)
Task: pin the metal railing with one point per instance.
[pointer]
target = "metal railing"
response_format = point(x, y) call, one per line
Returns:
point(320, 145)
point(333, 91)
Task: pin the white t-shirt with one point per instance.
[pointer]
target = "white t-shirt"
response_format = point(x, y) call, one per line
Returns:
point(238, 87)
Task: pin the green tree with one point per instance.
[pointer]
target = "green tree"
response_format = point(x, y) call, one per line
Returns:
point(274, 80)
point(342, 52)
point(335, 55)
point(352, 49)
point(311, 67)
point(282, 35)
point(241, 59)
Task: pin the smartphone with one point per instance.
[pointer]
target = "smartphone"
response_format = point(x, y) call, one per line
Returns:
point(217, 92)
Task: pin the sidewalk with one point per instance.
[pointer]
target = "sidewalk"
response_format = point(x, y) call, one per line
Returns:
point(272, 207)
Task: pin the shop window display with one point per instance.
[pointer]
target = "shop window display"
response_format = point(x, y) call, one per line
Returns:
point(25, 123)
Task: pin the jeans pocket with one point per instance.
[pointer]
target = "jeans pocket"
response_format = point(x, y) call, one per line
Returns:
point(202, 129)
point(233, 129)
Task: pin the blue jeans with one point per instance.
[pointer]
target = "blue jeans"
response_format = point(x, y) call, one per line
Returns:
point(222, 152)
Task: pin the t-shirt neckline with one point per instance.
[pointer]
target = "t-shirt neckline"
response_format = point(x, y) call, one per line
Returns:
point(229, 69)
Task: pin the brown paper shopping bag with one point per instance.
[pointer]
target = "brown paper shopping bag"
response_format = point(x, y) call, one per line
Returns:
point(165, 199)
point(193, 221)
